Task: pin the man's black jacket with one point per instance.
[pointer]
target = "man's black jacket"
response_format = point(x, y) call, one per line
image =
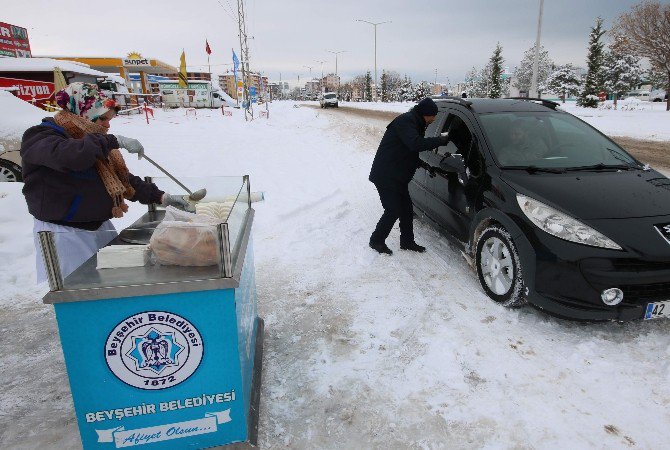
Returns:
point(397, 157)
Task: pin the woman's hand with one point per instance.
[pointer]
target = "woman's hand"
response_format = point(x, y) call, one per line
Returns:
point(132, 145)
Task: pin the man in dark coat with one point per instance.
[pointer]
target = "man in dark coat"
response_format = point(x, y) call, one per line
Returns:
point(394, 165)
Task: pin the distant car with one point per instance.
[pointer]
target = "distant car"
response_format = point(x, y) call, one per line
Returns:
point(659, 95)
point(549, 210)
point(328, 99)
point(642, 95)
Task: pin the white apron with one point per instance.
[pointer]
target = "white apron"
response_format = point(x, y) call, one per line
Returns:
point(74, 246)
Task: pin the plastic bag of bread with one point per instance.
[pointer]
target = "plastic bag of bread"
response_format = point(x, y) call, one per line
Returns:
point(185, 239)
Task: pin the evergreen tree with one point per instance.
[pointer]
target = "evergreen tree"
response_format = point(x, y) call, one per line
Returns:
point(384, 87)
point(595, 76)
point(563, 81)
point(622, 71)
point(368, 87)
point(495, 88)
point(421, 91)
point(523, 74)
point(657, 78)
point(406, 90)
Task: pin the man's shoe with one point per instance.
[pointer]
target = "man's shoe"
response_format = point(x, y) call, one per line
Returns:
point(381, 248)
point(413, 246)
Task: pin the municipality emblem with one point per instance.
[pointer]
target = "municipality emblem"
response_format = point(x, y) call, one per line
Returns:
point(154, 350)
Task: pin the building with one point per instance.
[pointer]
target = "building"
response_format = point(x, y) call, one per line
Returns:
point(313, 86)
point(227, 83)
point(132, 63)
point(278, 90)
point(331, 82)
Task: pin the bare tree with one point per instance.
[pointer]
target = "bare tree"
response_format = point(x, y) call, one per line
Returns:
point(645, 32)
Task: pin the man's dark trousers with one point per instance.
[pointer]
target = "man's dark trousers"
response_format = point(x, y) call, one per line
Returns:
point(397, 204)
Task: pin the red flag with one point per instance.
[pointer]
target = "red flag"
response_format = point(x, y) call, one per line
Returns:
point(207, 49)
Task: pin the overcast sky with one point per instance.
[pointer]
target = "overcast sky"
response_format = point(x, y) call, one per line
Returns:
point(448, 35)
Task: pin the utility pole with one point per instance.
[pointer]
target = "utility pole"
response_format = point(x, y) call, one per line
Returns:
point(375, 26)
point(536, 61)
point(244, 53)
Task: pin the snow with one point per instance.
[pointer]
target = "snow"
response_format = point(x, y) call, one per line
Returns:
point(46, 65)
point(12, 125)
point(361, 350)
point(633, 118)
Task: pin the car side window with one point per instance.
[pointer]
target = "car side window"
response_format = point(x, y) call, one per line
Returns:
point(444, 149)
point(459, 135)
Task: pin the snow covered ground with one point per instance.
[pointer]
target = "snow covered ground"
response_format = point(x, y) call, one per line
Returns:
point(637, 119)
point(361, 350)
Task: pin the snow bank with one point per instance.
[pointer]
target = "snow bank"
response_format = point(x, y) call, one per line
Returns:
point(17, 116)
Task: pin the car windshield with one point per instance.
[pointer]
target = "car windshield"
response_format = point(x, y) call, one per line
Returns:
point(329, 96)
point(546, 140)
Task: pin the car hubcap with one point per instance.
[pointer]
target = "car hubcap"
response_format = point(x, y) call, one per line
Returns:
point(496, 266)
point(6, 174)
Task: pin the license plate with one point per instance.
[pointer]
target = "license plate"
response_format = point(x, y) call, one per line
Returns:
point(657, 310)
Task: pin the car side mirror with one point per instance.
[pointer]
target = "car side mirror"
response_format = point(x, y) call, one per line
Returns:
point(453, 164)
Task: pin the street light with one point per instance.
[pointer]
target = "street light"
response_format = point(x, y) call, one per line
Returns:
point(375, 25)
point(336, 53)
point(536, 60)
point(321, 80)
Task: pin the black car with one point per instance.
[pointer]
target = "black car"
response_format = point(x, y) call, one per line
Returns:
point(550, 210)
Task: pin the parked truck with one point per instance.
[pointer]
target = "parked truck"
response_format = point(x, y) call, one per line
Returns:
point(198, 94)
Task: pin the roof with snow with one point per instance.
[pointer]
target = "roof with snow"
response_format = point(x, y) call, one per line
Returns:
point(46, 65)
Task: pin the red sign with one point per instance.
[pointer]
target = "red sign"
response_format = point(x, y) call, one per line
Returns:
point(14, 41)
point(31, 91)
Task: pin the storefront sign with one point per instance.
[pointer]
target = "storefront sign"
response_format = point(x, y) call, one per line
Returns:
point(29, 90)
point(14, 41)
point(136, 60)
point(190, 86)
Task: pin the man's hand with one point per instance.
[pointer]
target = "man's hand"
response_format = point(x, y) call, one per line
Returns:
point(132, 145)
point(444, 137)
point(178, 201)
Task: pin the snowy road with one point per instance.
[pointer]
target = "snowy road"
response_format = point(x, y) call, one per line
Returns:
point(361, 350)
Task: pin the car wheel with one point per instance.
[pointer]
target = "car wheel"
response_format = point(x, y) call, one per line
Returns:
point(499, 267)
point(9, 171)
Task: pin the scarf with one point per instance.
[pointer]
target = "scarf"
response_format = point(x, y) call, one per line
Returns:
point(112, 171)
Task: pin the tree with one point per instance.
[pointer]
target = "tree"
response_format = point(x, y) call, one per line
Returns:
point(495, 88)
point(384, 87)
point(622, 70)
point(368, 87)
point(563, 81)
point(421, 91)
point(523, 74)
point(476, 82)
point(657, 78)
point(394, 81)
point(645, 31)
point(406, 90)
point(595, 76)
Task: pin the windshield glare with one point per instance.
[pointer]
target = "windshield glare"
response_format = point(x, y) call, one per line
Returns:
point(549, 140)
point(329, 96)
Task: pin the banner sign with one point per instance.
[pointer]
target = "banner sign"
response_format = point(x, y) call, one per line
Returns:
point(29, 90)
point(14, 41)
point(190, 86)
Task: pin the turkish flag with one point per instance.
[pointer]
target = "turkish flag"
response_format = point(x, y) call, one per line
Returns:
point(207, 49)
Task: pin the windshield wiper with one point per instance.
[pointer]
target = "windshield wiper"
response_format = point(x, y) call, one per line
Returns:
point(602, 166)
point(534, 169)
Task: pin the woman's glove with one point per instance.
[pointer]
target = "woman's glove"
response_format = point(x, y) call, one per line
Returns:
point(130, 144)
point(178, 201)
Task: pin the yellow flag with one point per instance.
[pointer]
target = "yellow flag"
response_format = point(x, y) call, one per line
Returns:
point(183, 81)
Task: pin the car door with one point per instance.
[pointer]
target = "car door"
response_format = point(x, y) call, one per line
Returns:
point(452, 196)
point(419, 184)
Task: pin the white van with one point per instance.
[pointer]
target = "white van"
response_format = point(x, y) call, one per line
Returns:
point(639, 94)
point(198, 94)
point(658, 95)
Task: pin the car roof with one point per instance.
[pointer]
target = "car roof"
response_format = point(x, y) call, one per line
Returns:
point(490, 105)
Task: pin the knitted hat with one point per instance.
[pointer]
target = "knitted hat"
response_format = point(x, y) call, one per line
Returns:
point(427, 107)
point(85, 100)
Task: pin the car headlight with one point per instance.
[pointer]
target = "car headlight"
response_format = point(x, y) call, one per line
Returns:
point(561, 225)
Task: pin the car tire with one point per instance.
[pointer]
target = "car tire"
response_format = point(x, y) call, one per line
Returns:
point(499, 267)
point(9, 171)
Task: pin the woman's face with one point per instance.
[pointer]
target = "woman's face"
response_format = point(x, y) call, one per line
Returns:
point(106, 118)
